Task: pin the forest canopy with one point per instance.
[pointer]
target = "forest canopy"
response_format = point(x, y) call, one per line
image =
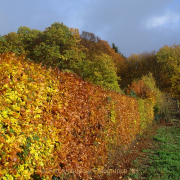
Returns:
point(94, 59)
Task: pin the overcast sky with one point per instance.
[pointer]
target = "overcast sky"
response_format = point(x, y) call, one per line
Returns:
point(135, 26)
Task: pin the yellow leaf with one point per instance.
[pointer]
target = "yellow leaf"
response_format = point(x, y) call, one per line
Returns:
point(6, 163)
point(13, 120)
point(25, 172)
point(36, 156)
point(23, 103)
point(10, 139)
point(1, 145)
point(9, 177)
point(40, 125)
point(5, 113)
point(39, 111)
point(16, 108)
point(21, 168)
point(32, 150)
point(3, 171)
point(17, 175)
point(41, 163)
point(8, 101)
point(32, 170)
point(6, 86)
point(37, 116)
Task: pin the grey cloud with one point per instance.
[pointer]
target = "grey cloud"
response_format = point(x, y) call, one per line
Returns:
point(123, 22)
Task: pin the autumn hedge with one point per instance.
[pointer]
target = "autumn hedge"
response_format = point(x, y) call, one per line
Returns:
point(52, 122)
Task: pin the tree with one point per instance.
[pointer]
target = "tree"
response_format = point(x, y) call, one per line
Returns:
point(11, 43)
point(170, 59)
point(117, 50)
point(96, 47)
point(75, 58)
point(57, 45)
point(28, 38)
point(103, 72)
point(138, 65)
point(52, 43)
point(90, 43)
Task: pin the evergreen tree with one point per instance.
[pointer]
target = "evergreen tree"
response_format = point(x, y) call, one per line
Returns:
point(117, 50)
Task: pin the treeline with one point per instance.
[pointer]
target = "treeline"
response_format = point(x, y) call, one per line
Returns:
point(86, 55)
point(94, 59)
point(164, 66)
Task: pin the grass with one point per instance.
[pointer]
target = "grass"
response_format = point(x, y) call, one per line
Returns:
point(153, 155)
point(163, 160)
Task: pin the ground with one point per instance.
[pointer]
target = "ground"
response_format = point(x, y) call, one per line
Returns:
point(125, 164)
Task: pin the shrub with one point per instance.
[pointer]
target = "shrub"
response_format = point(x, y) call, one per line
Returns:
point(166, 106)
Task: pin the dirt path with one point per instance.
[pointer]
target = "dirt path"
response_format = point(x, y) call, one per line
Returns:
point(122, 165)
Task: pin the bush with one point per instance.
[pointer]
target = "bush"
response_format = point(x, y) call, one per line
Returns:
point(167, 107)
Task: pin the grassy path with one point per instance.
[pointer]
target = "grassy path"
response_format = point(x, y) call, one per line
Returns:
point(153, 156)
point(163, 160)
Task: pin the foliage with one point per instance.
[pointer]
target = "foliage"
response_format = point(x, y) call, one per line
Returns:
point(103, 72)
point(154, 92)
point(56, 121)
point(94, 46)
point(20, 111)
point(170, 59)
point(163, 160)
point(139, 88)
point(146, 111)
point(167, 107)
point(58, 45)
point(50, 45)
point(117, 50)
point(138, 65)
point(75, 58)
point(146, 89)
point(63, 47)
point(38, 102)
point(10, 42)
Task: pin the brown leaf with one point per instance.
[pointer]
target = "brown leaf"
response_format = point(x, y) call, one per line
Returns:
point(22, 110)
point(7, 80)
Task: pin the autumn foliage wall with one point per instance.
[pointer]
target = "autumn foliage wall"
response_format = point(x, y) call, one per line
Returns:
point(52, 122)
